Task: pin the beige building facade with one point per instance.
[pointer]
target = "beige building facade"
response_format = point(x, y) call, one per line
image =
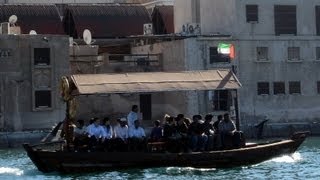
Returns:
point(30, 69)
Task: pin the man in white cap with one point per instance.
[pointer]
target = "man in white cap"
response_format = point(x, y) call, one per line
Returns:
point(121, 135)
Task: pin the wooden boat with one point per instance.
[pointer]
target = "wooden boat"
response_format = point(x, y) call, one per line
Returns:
point(71, 162)
point(66, 160)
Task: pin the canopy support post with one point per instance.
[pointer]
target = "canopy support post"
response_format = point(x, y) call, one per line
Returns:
point(236, 102)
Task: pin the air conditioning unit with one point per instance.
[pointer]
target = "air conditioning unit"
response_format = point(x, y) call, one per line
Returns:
point(191, 29)
point(147, 29)
point(5, 28)
point(194, 28)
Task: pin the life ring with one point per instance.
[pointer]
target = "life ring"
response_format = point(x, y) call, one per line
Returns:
point(65, 88)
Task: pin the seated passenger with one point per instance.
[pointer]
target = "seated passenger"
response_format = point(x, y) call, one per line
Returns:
point(169, 129)
point(181, 134)
point(197, 135)
point(157, 132)
point(96, 133)
point(209, 131)
point(107, 143)
point(121, 135)
point(80, 134)
point(81, 129)
point(216, 123)
point(137, 137)
point(107, 128)
point(226, 131)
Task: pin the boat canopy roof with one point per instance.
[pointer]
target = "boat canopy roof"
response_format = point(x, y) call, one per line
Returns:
point(89, 84)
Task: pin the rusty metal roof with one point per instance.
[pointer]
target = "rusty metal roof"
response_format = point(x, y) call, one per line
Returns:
point(163, 19)
point(106, 20)
point(44, 19)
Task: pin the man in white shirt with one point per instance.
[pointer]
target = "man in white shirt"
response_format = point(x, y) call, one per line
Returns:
point(137, 141)
point(132, 116)
point(226, 130)
point(121, 135)
point(96, 133)
point(80, 134)
point(121, 131)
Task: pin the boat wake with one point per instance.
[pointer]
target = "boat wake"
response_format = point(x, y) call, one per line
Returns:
point(187, 169)
point(287, 159)
point(14, 171)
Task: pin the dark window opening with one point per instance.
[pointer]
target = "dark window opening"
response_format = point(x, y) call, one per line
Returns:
point(43, 99)
point(262, 53)
point(318, 20)
point(252, 13)
point(263, 88)
point(293, 53)
point(317, 53)
point(215, 57)
point(279, 88)
point(220, 100)
point(318, 87)
point(41, 56)
point(294, 87)
point(285, 19)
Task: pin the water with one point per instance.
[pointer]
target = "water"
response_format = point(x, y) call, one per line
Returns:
point(304, 164)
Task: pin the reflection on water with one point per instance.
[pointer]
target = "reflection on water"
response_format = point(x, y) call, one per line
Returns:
point(304, 164)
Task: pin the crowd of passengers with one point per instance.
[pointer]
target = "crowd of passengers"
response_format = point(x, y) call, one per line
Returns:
point(177, 134)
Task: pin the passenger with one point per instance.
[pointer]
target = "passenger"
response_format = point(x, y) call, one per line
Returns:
point(181, 133)
point(169, 134)
point(169, 129)
point(107, 128)
point(157, 132)
point(132, 116)
point(80, 130)
point(209, 131)
point(137, 137)
point(121, 135)
point(188, 121)
point(96, 134)
point(80, 135)
point(107, 143)
point(217, 137)
point(226, 131)
point(198, 137)
point(216, 123)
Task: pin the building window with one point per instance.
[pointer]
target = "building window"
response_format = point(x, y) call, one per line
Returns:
point(220, 100)
point(262, 53)
point(42, 99)
point(318, 20)
point(252, 13)
point(215, 57)
point(318, 87)
point(294, 87)
point(263, 88)
point(318, 53)
point(293, 53)
point(285, 19)
point(279, 88)
point(42, 56)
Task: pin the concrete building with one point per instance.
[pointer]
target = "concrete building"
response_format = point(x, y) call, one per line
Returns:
point(277, 53)
point(277, 57)
point(30, 69)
